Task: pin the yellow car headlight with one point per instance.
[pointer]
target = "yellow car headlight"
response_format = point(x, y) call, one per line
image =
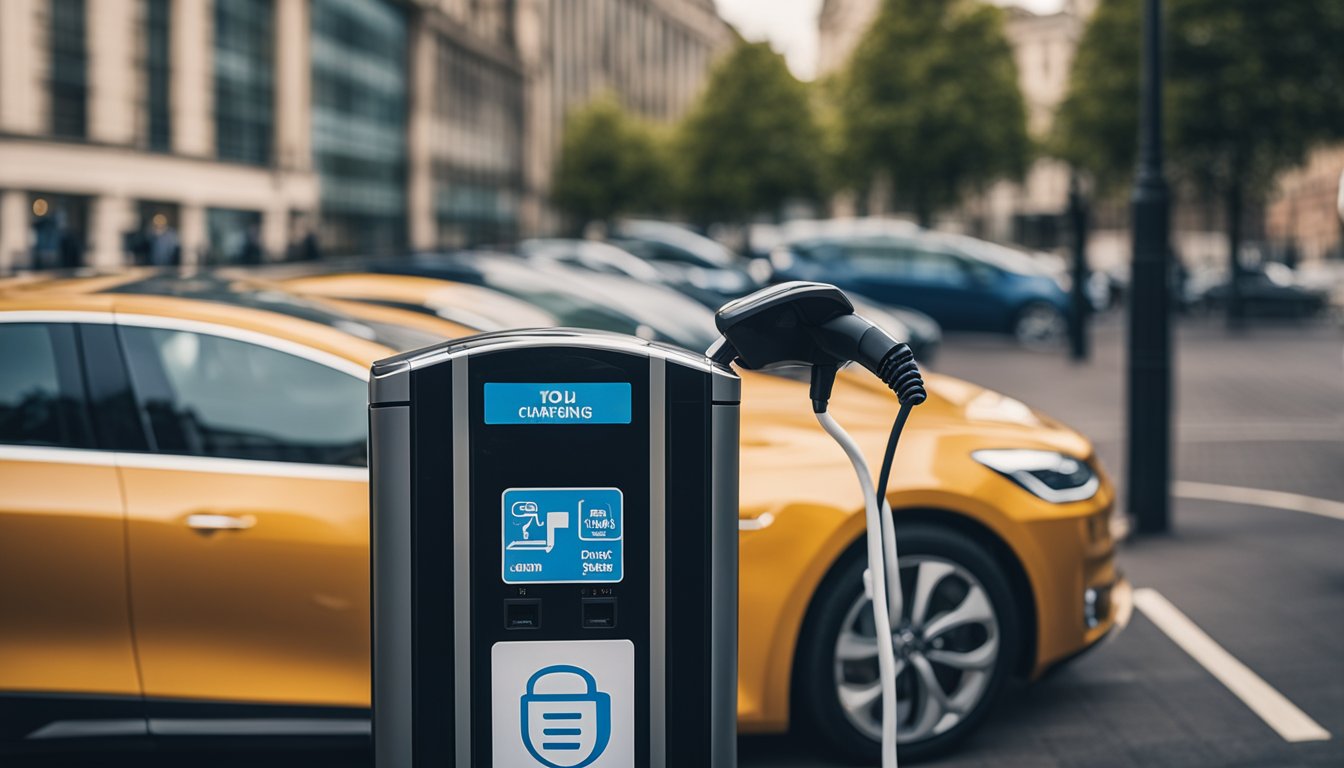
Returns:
point(1048, 475)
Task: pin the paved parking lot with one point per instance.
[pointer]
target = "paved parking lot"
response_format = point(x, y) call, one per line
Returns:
point(1259, 412)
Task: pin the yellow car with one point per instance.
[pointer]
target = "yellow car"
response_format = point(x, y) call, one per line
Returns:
point(983, 524)
point(184, 526)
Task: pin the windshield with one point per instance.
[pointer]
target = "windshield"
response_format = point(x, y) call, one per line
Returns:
point(1006, 259)
point(574, 297)
point(605, 302)
point(694, 247)
point(591, 255)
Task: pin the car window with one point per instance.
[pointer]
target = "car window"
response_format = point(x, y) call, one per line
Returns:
point(901, 262)
point(671, 253)
point(212, 396)
point(41, 391)
point(886, 258)
point(979, 271)
point(822, 253)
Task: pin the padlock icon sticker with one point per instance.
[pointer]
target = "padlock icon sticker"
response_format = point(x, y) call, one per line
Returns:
point(566, 721)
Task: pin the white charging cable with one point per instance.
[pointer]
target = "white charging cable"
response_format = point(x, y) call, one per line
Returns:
point(883, 582)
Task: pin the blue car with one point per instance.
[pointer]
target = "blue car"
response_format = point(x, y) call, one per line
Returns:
point(963, 283)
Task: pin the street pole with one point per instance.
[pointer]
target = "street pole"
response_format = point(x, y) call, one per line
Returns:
point(1081, 308)
point(1149, 459)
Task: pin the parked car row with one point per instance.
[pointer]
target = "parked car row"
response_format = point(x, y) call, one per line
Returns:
point(1269, 289)
point(184, 509)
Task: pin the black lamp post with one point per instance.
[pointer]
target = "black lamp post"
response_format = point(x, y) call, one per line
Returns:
point(1149, 459)
point(1080, 307)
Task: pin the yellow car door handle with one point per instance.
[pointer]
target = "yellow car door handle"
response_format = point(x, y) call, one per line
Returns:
point(209, 522)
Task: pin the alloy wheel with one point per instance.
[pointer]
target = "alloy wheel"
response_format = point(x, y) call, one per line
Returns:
point(947, 642)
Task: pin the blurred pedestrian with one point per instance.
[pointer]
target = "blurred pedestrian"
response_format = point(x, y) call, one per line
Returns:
point(165, 249)
point(251, 251)
point(309, 249)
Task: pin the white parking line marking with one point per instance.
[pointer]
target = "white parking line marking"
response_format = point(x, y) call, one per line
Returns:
point(1273, 707)
point(1232, 494)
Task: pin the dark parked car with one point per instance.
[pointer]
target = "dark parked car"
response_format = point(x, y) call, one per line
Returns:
point(577, 298)
point(1267, 290)
point(962, 282)
point(706, 268)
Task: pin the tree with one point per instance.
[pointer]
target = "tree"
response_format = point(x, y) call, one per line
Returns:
point(930, 98)
point(751, 142)
point(611, 162)
point(1251, 86)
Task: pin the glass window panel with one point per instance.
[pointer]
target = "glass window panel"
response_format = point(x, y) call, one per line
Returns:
point(244, 80)
point(158, 68)
point(69, 69)
point(211, 396)
point(359, 74)
point(41, 393)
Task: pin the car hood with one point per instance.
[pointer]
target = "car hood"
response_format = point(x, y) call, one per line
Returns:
point(788, 460)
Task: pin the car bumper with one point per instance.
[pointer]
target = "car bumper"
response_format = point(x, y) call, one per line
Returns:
point(1085, 597)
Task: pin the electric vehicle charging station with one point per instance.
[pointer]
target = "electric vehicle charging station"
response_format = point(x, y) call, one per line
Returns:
point(554, 536)
point(554, 547)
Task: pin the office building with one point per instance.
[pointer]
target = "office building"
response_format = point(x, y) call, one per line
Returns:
point(122, 120)
point(236, 131)
point(654, 55)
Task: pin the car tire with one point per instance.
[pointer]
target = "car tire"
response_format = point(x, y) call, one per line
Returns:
point(955, 566)
point(1039, 325)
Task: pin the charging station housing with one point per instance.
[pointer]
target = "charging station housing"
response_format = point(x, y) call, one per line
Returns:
point(554, 554)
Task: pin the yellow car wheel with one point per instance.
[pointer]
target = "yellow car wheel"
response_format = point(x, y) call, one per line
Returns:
point(957, 641)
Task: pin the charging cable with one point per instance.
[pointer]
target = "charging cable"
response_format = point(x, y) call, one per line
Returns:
point(883, 579)
point(878, 583)
point(814, 324)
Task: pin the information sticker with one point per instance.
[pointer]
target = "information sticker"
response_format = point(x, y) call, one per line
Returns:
point(562, 535)
point(565, 403)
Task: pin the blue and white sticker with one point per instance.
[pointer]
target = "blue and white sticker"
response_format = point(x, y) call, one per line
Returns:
point(563, 704)
point(562, 403)
point(562, 535)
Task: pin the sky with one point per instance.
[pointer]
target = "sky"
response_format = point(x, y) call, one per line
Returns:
point(791, 25)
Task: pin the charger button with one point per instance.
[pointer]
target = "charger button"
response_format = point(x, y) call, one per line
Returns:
point(598, 612)
point(522, 614)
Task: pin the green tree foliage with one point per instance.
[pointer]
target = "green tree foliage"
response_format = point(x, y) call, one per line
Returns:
point(611, 163)
point(1251, 85)
point(751, 142)
point(1097, 126)
point(931, 99)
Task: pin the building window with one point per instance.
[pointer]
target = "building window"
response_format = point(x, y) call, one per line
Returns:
point(158, 132)
point(69, 70)
point(57, 230)
point(359, 72)
point(477, 148)
point(235, 236)
point(244, 80)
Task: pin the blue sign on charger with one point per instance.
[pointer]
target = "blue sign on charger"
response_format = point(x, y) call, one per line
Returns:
point(557, 403)
point(562, 535)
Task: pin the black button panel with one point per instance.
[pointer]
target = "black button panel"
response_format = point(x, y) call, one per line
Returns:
point(598, 612)
point(522, 614)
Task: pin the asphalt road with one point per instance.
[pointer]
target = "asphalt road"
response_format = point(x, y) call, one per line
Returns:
point(1263, 410)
